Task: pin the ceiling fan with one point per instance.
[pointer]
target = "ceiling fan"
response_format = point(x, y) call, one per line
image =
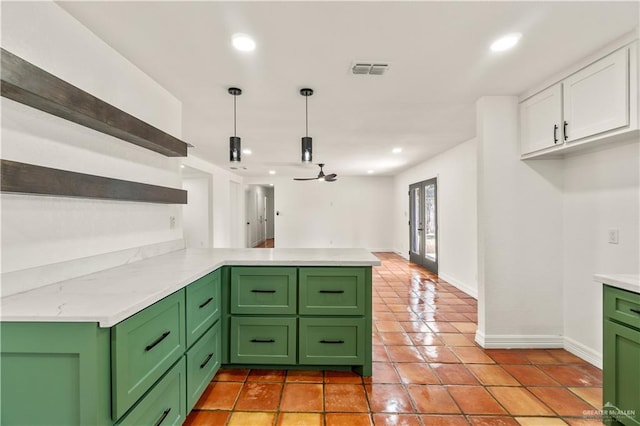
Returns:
point(321, 176)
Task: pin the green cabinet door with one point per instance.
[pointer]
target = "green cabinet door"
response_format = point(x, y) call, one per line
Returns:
point(332, 291)
point(54, 374)
point(263, 290)
point(203, 305)
point(331, 341)
point(263, 340)
point(621, 373)
point(165, 404)
point(143, 347)
point(203, 361)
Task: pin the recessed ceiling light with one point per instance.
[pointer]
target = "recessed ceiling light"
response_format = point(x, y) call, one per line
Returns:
point(270, 184)
point(247, 151)
point(272, 172)
point(182, 166)
point(396, 150)
point(243, 42)
point(370, 171)
point(505, 42)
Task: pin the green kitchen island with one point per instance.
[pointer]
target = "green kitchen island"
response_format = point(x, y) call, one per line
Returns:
point(139, 343)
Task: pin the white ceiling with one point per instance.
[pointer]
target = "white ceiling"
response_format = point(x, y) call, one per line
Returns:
point(438, 51)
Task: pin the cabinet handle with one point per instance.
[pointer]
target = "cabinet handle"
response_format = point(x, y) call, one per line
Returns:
point(206, 361)
point(564, 130)
point(332, 341)
point(157, 341)
point(262, 341)
point(165, 413)
point(205, 303)
point(635, 311)
point(332, 291)
point(555, 133)
point(263, 291)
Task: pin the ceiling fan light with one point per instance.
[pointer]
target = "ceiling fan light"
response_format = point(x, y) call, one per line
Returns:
point(307, 149)
point(235, 151)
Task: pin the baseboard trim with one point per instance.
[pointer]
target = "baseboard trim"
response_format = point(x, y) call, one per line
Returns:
point(509, 341)
point(473, 292)
point(584, 352)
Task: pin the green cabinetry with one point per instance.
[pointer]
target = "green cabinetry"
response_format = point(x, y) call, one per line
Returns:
point(621, 357)
point(318, 317)
point(150, 368)
point(54, 374)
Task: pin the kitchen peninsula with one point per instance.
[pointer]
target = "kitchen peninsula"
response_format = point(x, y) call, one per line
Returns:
point(139, 343)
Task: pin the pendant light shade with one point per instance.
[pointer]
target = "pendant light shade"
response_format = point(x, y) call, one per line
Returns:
point(307, 142)
point(235, 148)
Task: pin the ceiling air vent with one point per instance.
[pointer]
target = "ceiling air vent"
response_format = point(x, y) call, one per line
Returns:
point(370, 68)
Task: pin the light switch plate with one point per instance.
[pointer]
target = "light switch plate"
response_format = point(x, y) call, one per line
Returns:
point(613, 236)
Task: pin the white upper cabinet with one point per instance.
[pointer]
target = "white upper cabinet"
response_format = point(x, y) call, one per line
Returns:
point(598, 102)
point(596, 99)
point(541, 120)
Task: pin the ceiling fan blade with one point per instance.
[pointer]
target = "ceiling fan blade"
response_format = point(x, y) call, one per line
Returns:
point(332, 176)
point(305, 178)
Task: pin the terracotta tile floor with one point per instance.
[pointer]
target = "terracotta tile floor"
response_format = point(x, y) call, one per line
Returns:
point(427, 370)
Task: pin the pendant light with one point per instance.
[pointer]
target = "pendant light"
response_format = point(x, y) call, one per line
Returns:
point(235, 150)
point(307, 148)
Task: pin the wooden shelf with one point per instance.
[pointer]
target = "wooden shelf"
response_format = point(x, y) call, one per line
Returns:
point(25, 83)
point(31, 179)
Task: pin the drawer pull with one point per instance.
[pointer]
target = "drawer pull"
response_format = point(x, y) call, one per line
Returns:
point(157, 341)
point(332, 291)
point(205, 303)
point(262, 341)
point(332, 341)
point(263, 291)
point(206, 361)
point(165, 413)
point(635, 311)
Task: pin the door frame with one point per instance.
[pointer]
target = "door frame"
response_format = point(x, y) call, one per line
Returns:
point(420, 257)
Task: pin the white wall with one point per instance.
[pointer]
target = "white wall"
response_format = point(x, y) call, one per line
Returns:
point(197, 214)
point(351, 212)
point(227, 207)
point(457, 212)
point(601, 191)
point(520, 244)
point(54, 232)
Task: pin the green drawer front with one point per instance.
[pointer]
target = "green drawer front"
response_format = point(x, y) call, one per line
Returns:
point(622, 306)
point(621, 372)
point(331, 341)
point(143, 347)
point(263, 340)
point(256, 290)
point(332, 291)
point(203, 305)
point(165, 404)
point(203, 360)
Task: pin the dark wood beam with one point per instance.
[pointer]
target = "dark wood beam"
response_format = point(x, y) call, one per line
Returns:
point(26, 178)
point(26, 83)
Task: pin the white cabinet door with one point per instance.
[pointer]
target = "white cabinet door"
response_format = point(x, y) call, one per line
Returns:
point(540, 120)
point(596, 98)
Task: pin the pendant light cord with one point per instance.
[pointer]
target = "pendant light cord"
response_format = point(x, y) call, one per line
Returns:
point(306, 116)
point(234, 115)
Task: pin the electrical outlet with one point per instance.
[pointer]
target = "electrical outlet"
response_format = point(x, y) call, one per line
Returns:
point(172, 222)
point(613, 236)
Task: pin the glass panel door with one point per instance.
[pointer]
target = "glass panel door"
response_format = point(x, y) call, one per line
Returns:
point(423, 224)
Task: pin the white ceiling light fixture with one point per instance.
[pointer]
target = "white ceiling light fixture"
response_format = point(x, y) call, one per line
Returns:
point(505, 42)
point(247, 151)
point(396, 150)
point(272, 172)
point(243, 42)
point(370, 172)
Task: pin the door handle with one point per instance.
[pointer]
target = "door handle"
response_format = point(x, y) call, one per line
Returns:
point(420, 229)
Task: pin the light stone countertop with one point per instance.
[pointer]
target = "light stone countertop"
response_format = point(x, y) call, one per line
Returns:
point(629, 282)
point(110, 296)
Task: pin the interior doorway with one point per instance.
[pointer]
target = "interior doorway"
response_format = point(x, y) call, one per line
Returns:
point(259, 212)
point(423, 224)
